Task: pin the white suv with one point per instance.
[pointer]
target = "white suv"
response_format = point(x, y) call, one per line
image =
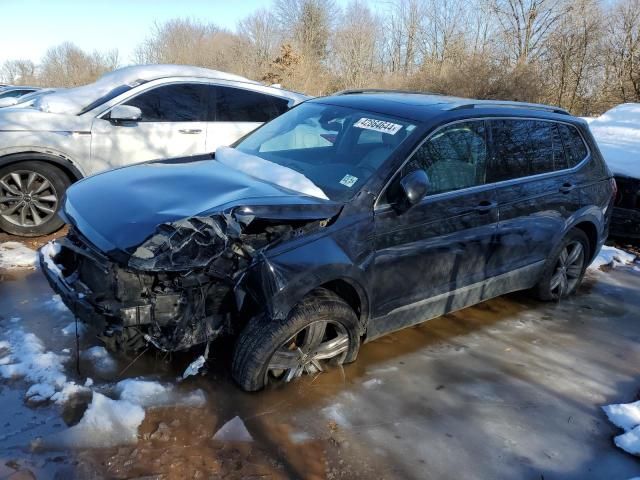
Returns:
point(130, 115)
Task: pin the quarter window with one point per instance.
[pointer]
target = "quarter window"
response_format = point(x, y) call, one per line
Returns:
point(171, 103)
point(239, 105)
point(453, 158)
point(574, 146)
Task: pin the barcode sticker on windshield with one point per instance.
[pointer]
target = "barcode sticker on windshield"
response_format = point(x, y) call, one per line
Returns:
point(378, 126)
point(349, 180)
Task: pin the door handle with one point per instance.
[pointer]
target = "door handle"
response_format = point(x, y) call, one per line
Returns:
point(190, 131)
point(485, 206)
point(567, 187)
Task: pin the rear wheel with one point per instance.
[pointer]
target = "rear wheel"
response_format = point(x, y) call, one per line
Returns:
point(565, 270)
point(30, 196)
point(320, 332)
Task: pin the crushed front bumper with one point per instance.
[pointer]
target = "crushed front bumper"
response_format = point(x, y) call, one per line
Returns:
point(172, 311)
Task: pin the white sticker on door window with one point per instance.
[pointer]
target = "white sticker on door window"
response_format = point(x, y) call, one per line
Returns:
point(348, 180)
point(378, 125)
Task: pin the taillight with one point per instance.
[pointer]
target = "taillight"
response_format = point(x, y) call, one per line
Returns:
point(614, 187)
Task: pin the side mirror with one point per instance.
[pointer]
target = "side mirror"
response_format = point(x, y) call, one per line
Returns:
point(125, 113)
point(413, 187)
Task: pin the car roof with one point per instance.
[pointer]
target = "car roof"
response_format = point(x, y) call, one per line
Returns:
point(423, 107)
point(19, 87)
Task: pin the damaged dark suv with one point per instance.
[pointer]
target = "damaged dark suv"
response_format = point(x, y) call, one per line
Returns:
point(347, 217)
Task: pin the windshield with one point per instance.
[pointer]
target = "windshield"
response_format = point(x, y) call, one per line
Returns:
point(336, 148)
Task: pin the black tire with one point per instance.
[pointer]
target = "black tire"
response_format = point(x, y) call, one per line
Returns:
point(544, 289)
point(261, 338)
point(37, 220)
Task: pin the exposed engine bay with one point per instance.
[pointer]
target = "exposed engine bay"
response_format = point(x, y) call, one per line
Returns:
point(181, 287)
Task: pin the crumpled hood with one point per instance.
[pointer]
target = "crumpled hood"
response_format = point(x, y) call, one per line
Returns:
point(118, 210)
point(16, 119)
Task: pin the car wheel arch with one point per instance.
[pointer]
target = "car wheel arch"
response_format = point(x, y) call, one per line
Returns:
point(346, 287)
point(591, 231)
point(60, 161)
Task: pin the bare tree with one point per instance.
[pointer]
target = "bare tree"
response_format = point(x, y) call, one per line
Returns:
point(66, 65)
point(355, 45)
point(622, 50)
point(526, 24)
point(258, 41)
point(19, 72)
point(188, 42)
point(308, 24)
point(572, 53)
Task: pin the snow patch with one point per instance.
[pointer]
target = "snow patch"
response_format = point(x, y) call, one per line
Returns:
point(617, 132)
point(106, 423)
point(148, 393)
point(269, 171)
point(49, 251)
point(30, 361)
point(71, 329)
point(613, 257)
point(233, 431)
point(100, 359)
point(16, 255)
point(625, 416)
point(630, 441)
point(56, 304)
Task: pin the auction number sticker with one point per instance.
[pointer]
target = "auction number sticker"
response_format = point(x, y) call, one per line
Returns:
point(378, 125)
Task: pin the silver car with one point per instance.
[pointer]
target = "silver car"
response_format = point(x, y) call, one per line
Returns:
point(127, 116)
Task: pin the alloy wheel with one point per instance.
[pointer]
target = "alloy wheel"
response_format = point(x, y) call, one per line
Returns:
point(27, 198)
point(568, 269)
point(310, 350)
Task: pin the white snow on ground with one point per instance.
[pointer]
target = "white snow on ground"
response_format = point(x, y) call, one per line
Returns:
point(56, 303)
point(630, 441)
point(617, 132)
point(28, 359)
point(626, 417)
point(16, 255)
point(100, 359)
point(613, 257)
point(233, 431)
point(73, 100)
point(71, 329)
point(148, 393)
point(106, 423)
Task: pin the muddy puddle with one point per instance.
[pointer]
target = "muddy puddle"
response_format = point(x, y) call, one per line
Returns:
point(385, 416)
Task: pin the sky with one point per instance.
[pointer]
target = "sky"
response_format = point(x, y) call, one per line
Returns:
point(29, 27)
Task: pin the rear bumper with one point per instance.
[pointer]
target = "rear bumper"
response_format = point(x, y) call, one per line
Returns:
point(625, 222)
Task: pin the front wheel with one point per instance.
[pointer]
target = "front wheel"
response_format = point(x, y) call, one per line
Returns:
point(565, 269)
point(320, 332)
point(30, 196)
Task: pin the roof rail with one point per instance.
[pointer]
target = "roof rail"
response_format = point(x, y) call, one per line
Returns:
point(502, 103)
point(380, 90)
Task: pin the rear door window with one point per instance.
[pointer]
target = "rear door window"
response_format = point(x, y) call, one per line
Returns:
point(574, 146)
point(524, 147)
point(180, 102)
point(239, 105)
